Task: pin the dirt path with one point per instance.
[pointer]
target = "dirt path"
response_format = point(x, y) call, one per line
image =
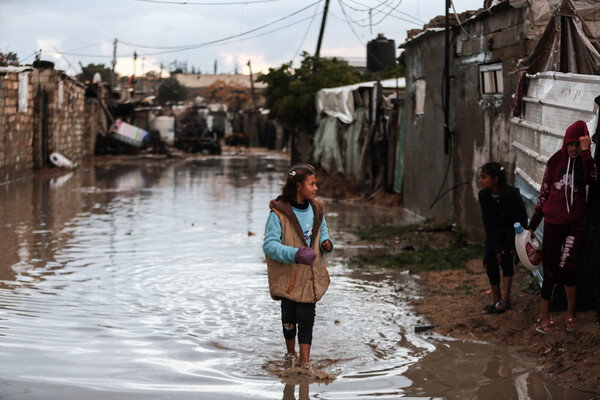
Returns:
point(454, 300)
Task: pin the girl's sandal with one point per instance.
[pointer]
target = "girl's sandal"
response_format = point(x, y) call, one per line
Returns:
point(546, 329)
point(572, 323)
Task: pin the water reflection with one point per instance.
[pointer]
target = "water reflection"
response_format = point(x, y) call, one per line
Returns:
point(145, 281)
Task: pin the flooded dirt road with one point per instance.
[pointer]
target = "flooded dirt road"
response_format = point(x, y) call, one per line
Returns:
point(146, 280)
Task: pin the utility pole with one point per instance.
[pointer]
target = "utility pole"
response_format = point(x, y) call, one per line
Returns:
point(447, 81)
point(252, 86)
point(114, 62)
point(254, 103)
point(318, 53)
point(134, 62)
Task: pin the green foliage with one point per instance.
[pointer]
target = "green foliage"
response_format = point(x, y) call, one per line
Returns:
point(530, 284)
point(381, 232)
point(170, 90)
point(290, 93)
point(423, 259)
point(88, 73)
point(8, 58)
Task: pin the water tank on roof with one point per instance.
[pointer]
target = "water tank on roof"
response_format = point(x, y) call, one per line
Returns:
point(381, 54)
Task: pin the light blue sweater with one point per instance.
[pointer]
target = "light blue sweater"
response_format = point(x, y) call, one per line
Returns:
point(276, 250)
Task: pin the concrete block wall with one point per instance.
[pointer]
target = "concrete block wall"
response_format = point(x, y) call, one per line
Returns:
point(16, 133)
point(66, 116)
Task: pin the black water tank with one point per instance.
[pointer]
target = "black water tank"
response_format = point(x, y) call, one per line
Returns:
point(381, 54)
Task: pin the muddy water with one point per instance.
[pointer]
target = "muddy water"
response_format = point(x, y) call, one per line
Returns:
point(147, 281)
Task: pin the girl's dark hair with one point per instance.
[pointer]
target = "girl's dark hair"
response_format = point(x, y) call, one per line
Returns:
point(495, 169)
point(296, 174)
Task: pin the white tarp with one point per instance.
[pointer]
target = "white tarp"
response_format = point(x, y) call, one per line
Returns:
point(23, 91)
point(338, 102)
point(327, 150)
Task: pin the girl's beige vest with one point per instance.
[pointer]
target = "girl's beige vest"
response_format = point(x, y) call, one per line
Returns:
point(298, 282)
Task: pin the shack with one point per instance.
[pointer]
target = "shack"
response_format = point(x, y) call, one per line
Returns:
point(361, 133)
point(16, 121)
point(59, 119)
point(42, 111)
point(485, 47)
point(559, 84)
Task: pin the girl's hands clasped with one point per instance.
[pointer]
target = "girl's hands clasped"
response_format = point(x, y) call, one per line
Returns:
point(305, 255)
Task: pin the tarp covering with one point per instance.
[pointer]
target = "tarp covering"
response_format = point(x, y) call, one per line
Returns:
point(567, 45)
point(338, 102)
point(352, 145)
point(327, 150)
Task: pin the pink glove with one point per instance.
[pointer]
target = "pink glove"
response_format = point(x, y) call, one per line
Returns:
point(305, 255)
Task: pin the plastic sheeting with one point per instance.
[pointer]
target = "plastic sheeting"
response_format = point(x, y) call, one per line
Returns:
point(567, 45)
point(352, 145)
point(339, 102)
point(327, 150)
point(23, 91)
point(540, 11)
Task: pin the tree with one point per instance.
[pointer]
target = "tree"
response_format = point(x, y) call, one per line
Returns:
point(169, 89)
point(87, 73)
point(8, 58)
point(290, 93)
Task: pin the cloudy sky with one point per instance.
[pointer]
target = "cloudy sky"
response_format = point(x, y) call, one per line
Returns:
point(203, 33)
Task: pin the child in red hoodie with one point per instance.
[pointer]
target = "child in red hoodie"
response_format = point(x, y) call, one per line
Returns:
point(562, 203)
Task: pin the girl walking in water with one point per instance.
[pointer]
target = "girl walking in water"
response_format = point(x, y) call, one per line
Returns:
point(501, 206)
point(296, 237)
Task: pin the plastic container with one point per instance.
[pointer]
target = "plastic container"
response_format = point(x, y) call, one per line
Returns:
point(529, 249)
point(60, 161)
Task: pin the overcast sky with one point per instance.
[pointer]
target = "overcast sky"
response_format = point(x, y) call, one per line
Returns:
point(204, 32)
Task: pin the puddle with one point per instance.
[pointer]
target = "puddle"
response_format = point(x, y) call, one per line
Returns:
point(148, 281)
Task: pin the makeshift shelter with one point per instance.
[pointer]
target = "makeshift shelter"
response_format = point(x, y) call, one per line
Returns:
point(567, 45)
point(562, 86)
point(360, 133)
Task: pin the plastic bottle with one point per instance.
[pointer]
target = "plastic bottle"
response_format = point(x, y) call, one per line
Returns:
point(529, 249)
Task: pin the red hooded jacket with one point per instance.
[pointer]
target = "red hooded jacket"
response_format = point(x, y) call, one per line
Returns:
point(562, 197)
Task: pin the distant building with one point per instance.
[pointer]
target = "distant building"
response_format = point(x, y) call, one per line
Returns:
point(197, 83)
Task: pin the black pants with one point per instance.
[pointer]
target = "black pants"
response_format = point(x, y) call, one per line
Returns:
point(301, 314)
point(493, 269)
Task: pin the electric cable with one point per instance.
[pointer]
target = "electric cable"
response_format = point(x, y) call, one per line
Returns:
point(190, 46)
point(348, 22)
point(460, 24)
point(307, 30)
point(193, 3)
point(29, 56)
point(229, 41)
point(441, 194)
point(367, 9)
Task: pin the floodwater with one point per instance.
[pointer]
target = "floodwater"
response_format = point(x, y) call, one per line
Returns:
point(147, 281)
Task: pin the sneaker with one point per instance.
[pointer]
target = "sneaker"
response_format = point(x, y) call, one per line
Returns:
point(290, 360)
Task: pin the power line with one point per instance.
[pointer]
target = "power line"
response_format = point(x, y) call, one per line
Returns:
point(386, 5)
point(391, 9)
point(185, 49)
point(191, 3)
point(307, 30)
point(196, 45)
point(348, 21)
